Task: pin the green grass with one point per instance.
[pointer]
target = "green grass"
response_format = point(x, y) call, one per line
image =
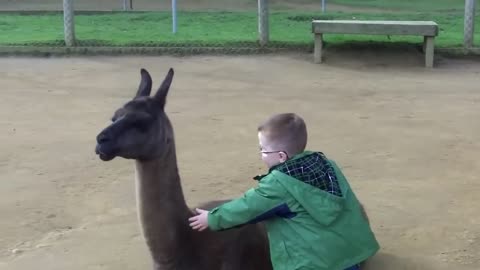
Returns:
point(207, 29)
point(407, 5)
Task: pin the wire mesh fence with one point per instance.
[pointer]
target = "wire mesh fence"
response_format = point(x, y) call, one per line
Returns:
point(213, 23)
point(138, 5)
point(379, 6)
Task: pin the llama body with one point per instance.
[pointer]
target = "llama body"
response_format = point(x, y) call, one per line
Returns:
point(141, 131)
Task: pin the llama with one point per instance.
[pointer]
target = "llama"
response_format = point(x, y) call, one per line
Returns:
point(141, 130)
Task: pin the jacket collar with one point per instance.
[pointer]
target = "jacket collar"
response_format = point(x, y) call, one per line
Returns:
point(297, 156)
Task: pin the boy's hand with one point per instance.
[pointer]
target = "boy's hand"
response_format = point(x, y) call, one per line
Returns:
point(200, 221)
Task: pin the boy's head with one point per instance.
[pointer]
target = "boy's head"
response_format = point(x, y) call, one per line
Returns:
point(280, 137)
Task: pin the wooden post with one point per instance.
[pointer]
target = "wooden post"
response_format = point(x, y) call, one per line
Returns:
point(469, 23)
point(69, 23)
point(317, 49)
point(429, 45)
point(263, 31)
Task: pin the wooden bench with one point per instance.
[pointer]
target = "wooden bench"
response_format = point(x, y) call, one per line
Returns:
point(427, 29)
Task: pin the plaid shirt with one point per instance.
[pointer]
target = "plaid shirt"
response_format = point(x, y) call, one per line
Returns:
point(314, 170)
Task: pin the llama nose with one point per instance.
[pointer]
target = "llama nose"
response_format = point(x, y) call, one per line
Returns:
point(103, 138)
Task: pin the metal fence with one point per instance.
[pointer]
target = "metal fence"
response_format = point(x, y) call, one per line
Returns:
point(465, 7)
point(138, 5)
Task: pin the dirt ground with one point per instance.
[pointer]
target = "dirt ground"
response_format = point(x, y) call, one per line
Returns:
point(407, 138)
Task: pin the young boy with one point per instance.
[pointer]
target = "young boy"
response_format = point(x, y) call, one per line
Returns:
point(313, 218)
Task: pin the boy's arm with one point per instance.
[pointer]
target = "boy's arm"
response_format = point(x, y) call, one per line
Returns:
point(260, 203)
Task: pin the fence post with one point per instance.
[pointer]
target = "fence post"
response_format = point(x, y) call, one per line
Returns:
point(69, 22)
point(127, 5)
point(469, 23)
point(263, 30)
point(174, 16)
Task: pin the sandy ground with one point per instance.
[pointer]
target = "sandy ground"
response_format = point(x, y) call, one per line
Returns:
point(407, 138)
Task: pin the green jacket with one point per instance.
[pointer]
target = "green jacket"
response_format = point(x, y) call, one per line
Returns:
point(312, 216)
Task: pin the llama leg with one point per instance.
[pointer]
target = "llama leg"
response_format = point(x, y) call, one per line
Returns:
point(251, 250)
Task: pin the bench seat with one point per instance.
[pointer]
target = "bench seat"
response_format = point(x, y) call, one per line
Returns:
point(427, 29)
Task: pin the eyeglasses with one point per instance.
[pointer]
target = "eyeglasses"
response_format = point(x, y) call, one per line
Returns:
point(270, 152)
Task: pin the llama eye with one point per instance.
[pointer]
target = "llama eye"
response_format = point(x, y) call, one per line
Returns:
point(143, 122)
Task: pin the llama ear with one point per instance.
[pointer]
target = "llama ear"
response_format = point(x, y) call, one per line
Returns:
point(145, 86)
point(161, 95)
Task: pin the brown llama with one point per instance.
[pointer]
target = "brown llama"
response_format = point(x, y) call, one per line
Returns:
point(141, 130)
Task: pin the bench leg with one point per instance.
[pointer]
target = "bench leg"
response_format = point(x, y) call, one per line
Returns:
point(424, 44)
point(317, 51)
point(428, 45)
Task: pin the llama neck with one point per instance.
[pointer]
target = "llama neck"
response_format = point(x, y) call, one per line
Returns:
point(162, 210)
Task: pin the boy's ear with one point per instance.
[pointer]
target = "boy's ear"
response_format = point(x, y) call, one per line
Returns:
point(283, 156)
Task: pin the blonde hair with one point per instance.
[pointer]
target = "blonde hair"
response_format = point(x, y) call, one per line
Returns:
point(286, 131)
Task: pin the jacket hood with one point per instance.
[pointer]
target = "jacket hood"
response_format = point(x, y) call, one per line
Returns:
point(312, 180)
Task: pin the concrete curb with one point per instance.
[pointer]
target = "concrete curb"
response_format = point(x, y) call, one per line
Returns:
point(459, 51)
point(45, 51)
point(64, 51)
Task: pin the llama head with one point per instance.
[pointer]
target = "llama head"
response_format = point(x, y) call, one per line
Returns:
point(140, 129)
